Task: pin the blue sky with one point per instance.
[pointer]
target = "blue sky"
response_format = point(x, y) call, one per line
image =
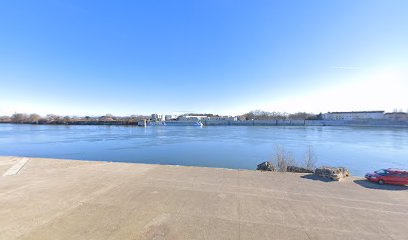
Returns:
point(226, 57)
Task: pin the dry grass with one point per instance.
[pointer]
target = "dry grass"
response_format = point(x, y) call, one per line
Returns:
point(310, 159)
point(282, 159)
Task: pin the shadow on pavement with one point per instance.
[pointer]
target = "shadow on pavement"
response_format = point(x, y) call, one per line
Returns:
point(316, 178)
point(371, 185)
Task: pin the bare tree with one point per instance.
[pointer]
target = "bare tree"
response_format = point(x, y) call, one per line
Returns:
point(66, 119)
point(282, 158)
point(262, 115)
point(303, 116)
point(34, 118)
point(19, 118)
point(5, 119)
point(310, 159)
point(108, 117)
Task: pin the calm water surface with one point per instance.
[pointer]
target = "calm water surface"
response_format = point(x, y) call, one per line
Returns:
point(361, 149)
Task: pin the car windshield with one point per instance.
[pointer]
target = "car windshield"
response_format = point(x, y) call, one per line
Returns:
point(381, 172)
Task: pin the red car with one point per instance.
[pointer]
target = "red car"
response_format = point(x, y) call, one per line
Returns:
point(389, 176)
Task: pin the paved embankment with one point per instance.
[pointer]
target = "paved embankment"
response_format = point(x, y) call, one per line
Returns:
point(62, 199)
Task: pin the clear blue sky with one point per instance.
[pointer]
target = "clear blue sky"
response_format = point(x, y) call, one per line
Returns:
point(221, 56)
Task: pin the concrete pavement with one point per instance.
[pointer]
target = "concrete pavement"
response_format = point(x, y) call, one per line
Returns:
point(63, 199)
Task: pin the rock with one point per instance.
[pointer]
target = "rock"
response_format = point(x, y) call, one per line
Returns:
point(265, 166)
point(296, 169)
point(335, 173)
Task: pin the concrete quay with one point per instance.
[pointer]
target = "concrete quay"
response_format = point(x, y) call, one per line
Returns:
point(69, 199)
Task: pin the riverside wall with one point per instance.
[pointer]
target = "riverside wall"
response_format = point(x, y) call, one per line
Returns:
point(355, 123)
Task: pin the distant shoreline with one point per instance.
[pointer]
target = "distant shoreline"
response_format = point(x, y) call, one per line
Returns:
point(350, 123)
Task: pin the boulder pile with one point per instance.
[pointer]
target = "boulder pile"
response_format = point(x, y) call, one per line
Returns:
point(334, 173)
point(296, 169)
point(265, 166)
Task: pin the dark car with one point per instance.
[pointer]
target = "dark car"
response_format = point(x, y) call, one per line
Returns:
point(389, 176)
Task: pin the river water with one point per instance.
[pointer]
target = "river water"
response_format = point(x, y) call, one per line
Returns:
point(361, 149)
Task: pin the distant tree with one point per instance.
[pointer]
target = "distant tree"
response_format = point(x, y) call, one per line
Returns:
point(66, 120)
point(303, 116)
point(19, 117)
point(298, 116)
point(5, 119)
point(135, 118)
point(249, 116)
point(34, 118)
point(106, 118)
point(51, 118)
point(58, 120)
point(262, 115)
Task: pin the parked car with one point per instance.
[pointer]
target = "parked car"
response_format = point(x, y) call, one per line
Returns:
point(389, 176)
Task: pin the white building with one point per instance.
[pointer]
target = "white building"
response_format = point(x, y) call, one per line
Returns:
point(193, 118)
point(170, 117)
point(353, 115)
point(158, 117)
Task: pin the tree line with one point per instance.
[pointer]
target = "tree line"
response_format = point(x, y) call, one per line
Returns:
point(56, 119)
point(263, 115)
point(133, 119)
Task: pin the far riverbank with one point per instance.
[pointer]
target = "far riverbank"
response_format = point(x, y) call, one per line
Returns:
point(351, 123)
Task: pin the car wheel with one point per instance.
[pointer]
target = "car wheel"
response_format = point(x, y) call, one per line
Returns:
point(381, 182)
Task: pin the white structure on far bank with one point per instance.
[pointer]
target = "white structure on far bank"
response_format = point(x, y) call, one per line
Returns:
point(354, 115)
point(170, 117)
point(158, 117)
point(192, 118)
point(206, 118)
